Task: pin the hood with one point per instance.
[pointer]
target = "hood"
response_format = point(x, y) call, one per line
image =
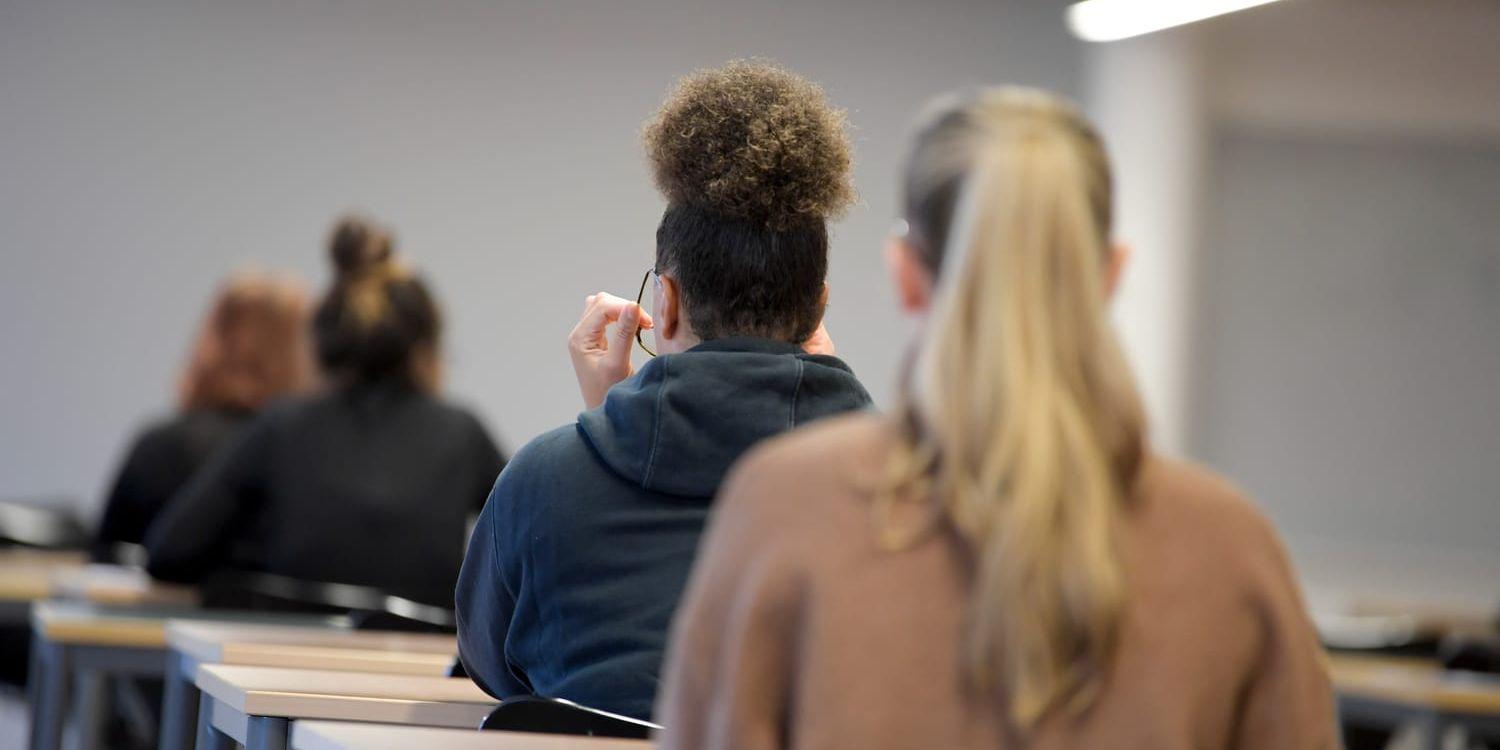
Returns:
point(678, 424)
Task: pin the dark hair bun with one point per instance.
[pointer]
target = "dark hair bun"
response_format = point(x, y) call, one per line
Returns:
point(358, 245)
point(752, 141)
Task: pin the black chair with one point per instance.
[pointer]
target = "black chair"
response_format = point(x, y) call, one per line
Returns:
point(41, 527)
point(532, 713)
point(367, 608)
point(1471, 652)
point(31, 525)
point(456, 669)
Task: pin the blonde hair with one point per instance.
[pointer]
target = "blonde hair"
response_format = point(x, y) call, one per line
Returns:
point(1022, 424)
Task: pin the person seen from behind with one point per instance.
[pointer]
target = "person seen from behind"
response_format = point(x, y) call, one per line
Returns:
point(1003, 562)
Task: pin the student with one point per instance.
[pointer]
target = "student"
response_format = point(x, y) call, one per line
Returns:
point(1003, 562)
point(252, 347)
point(370, 482)
point(582, 551)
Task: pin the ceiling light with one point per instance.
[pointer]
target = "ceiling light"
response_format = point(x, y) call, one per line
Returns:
point(1108, 20)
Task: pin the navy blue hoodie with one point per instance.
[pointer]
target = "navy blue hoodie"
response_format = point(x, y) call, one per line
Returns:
point(584, 547)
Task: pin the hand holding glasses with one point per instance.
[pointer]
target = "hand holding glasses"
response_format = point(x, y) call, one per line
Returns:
point(601, 356)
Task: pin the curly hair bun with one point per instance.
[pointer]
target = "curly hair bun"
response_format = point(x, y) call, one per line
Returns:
point(358, 246)
point(754, 141)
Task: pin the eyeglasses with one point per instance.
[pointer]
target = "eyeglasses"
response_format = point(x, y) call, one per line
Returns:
point(639, 298)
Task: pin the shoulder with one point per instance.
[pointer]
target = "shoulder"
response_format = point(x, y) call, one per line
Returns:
point(548, 473)
point(542, 464)
point(555, 447)
point(818, 476)
point(1195, 507)
point(461, 418)
point(832, 443)
point(162, 432)
point(189, 432)
point(161, 440)
point(288, 409)
point(1186, 492)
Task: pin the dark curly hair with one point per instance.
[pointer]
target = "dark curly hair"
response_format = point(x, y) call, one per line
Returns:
point(753, 162)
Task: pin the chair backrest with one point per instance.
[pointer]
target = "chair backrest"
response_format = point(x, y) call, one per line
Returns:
point(1471, 652)
point(35, 525)
point(368, 608)
point(532, 713)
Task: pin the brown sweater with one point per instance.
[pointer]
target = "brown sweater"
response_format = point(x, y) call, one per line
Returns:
point(798, 631)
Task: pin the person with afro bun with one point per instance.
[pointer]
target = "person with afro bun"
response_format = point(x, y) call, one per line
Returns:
point(580, 556)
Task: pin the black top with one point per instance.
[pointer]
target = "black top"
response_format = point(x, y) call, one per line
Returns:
point(584, 548)
point(372, 484)
point(161, 460)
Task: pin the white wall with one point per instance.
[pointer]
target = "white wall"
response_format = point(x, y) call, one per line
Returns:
point(147, 148)
point(1312, 309)
point(1348, 362)
point(1350, 368)
point(1146, 97)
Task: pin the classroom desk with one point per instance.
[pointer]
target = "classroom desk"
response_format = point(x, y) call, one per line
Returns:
point(333, 735)
point(119, 586)
point(1394, 691)
point(192, 644)
point(255, 706)
point(84, 644)
point(26, 576)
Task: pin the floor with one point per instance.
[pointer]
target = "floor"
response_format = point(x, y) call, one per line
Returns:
point(14, 723)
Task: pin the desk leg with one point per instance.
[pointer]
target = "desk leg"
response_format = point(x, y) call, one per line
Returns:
point(267, 733)
point(91, 707)
point(1429, 730)
point(210, 738)
point(50, 673)
point(179, 705)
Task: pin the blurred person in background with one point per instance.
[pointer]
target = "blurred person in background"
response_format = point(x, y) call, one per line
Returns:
point(580, 556)
point(1002, 562)
point(370, 481)
point(252, 347)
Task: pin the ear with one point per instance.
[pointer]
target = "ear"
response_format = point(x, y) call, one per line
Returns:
point(669, 314)
point(1119, 257)
point(909, 275)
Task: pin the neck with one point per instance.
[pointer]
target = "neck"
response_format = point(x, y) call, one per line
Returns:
point(679, 343)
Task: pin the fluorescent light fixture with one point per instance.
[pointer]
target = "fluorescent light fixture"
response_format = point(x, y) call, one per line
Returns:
point(1108, 20)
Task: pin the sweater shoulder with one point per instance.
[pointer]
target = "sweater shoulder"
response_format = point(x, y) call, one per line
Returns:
point(811, 482)
point(1181, 492)
point(1203, 514)
point(550, 452)
point(555, 467)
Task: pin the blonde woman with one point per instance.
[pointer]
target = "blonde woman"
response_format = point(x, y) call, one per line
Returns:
point(1002, 562)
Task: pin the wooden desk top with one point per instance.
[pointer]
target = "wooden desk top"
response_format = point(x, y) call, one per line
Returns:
point(1415, 682)
point(347, 696)
point(119, 586)
point(26, 574)
point(333, 649)
point(330, 735)
point(90, 624)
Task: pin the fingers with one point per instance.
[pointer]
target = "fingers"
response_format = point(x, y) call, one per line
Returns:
point(630, 321)
point(599, 312)
point(601, 357)
point(820, 342)
point(604, 308)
